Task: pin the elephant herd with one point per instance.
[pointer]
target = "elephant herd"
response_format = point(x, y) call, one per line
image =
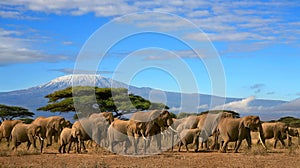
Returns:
point(159, 125)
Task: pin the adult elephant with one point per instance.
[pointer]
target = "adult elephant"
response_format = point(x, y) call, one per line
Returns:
point(51, 126)
point(153, 122)
point(124, 131)
point(106, 117)
point(89, 129)
point(238, 129)
point(208, 125)
point(26, 133)
point(276, 130)
point(6, 128)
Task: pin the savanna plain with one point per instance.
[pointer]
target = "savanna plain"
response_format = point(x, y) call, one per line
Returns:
point(256, 157)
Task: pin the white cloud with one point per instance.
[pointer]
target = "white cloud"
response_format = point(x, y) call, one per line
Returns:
point(15, 49)
point(239, 106)
point(262, 22)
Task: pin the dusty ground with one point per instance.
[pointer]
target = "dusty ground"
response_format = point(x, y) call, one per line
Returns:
point(256, 157)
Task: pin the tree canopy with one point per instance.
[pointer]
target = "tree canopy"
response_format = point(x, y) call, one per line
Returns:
point(12, 112)
point(186, 114)
point(235, 114)
point(290, 121)
point(89, 99)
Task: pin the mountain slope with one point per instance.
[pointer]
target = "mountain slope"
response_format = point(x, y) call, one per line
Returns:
point(33, 97)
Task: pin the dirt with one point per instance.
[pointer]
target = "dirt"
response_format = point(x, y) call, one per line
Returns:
point(50, 158)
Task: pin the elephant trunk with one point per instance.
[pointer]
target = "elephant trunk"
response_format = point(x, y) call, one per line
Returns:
point(173, 129)
point(261, 136)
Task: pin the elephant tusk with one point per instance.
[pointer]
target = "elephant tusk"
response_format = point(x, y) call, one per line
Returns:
point(173, 129)
point(145, 138)
point(39, 138)
point(262, 142)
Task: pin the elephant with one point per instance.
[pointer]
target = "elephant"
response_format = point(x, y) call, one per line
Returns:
point(123, 131)
point(153, 122)
point(208, 123)
point(89, 129)
point(292, 132)
point(188, 136)
point(65, 139)
point(238, 129)
point(6, 128)
point(51, 126)
point(102, 117)
point(107, 115)
point(26, 133)
point(276, 130)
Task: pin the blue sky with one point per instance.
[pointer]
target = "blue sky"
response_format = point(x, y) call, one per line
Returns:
point(256, 41)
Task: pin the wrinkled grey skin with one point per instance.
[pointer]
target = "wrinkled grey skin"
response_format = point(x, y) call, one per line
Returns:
point(25, 133)
point(189, 136)
point(238, 129)
point(6, 128)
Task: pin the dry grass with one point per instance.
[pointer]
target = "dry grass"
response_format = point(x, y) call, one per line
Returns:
point(257, 156)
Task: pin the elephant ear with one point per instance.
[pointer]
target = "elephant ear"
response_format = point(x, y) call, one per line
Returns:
point(31, 130)
point(154, 115)
point(62, 121)
point(51, 125)
point(246, 122)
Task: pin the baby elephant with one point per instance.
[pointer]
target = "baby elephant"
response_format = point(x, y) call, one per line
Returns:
point(25, 133)
point(65, 139)
point(189, 136)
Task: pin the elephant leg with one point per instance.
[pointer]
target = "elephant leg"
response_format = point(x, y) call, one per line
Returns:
point(84, 148)
point(239, 142)
point(289, 139)
point(197, 144)
point(180, 143)
point(64, 148)
point(158, 141)
point(69, 148)
point(282, 141)
point(78, 146)
point(224, 146)
point(59, 149)
point(126, 145)
point(275, 143)
point(42, 145)
point(56, 136)
point(249, 142)
point(28, 145)
point(186, 146)
point(7, 139)
point(172, 140)
point(111, 146)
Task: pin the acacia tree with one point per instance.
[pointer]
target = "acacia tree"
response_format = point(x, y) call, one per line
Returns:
point(89, 99)
point(12, 112)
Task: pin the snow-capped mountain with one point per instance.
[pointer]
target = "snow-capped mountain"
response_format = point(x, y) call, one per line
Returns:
point(33, 98)
point(82, 80)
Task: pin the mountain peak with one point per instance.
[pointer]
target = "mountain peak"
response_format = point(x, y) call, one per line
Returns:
point(82, 80)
